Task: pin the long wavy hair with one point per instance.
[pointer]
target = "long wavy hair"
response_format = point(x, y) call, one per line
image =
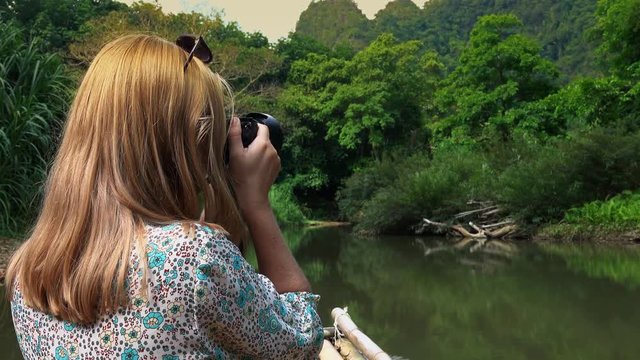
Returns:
point(143, 143)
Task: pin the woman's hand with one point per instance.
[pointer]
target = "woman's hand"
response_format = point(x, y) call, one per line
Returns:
point(253, 169)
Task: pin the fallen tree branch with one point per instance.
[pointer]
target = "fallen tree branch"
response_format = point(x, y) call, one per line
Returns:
point(476, 211)
point(499, 230)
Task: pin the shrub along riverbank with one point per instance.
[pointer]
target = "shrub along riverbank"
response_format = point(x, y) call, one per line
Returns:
point(536, 184)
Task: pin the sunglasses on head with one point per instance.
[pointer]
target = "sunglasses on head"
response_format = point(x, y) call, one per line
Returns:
point(194, 46)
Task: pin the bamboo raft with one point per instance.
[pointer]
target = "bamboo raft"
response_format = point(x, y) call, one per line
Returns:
point(344, 341)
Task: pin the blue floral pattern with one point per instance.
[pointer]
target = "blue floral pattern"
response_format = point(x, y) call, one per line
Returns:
point(203, 300)
point(129, 354)
point(153, 320)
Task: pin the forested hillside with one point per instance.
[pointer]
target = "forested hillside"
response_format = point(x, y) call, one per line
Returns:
point(444, 25)
point(335, 23)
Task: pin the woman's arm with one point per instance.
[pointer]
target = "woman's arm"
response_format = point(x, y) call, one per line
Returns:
point(241, 311)
point(253, 170)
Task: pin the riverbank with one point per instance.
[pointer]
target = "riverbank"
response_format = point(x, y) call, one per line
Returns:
point(578, 233)
point(615, 220)
point(315, 224)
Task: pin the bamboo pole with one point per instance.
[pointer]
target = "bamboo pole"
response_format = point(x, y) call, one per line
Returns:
point(328, 352)
point(361, 341)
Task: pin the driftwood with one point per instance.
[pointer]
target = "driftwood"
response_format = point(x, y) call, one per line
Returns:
point(362, 344)
point(483, 222)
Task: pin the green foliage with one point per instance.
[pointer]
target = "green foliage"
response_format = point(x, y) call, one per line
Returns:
point(444, 25)
point(336, 110)
point(584, 104)
point(297, 47)
point(536, 182)
point(35, 89)
point(416, 187)
point(500, 69)
point(285, 206)
point(56, 22)
point(307, 157)
point(619, 212)
point(618, 28)
point(245, 60)
point(381, 100)
point(549, 179)
point(363, 184)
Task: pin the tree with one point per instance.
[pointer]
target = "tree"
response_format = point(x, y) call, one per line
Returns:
point(381, 103)
point(296, 47)
point(500, 69)
point(245, 60)
point(312, 161)
point(341, 112)
point(619, 31)
point(56, 22)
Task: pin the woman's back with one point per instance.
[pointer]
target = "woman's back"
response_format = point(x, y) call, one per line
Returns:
point(144, 143)
point(199, 288)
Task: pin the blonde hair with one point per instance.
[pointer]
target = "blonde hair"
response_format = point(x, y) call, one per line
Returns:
point(143, 143)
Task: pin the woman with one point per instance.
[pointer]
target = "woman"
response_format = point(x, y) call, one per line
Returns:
point(119, 265)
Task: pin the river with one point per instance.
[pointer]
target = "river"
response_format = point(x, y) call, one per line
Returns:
point(422, 298)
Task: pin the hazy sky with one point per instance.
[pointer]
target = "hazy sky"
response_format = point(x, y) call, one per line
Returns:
point(273, 18)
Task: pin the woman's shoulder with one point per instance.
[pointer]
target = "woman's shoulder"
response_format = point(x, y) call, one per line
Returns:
point(185, 229)
point(186, 238)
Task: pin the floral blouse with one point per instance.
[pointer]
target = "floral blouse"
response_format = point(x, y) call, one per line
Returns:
point(204, 301)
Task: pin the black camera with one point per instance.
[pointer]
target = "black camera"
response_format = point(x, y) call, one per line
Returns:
point(249, 124)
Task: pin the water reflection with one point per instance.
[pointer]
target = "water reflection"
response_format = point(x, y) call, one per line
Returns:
point(480, 254)
point(524, 305)
point(600, 261)
point(427, 298)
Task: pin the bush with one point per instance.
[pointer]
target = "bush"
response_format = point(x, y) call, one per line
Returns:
point(536, 183)
point(366, 181)
point(549, 179)
point(415, 188)
point(284, 204)
point(35, 88)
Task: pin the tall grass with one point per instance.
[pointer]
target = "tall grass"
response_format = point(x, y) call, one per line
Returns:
point(34, 93)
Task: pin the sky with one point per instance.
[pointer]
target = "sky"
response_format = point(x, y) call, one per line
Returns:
point(273, 18)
